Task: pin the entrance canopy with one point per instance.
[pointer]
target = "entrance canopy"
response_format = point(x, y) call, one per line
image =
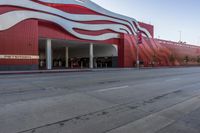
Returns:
point(70, 54)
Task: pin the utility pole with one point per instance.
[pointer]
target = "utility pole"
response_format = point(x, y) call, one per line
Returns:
point(180, 36)
point(198, 40)
point(138, 61)
point(139, 41)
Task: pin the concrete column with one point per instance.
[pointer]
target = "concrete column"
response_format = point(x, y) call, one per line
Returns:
point(48, 54)
point(67, 57)
point(91, 55)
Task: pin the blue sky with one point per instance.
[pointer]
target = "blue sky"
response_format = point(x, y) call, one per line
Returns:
point(169, 17)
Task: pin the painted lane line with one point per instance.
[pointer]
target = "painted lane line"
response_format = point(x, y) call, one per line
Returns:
point(114, 88)
point(174, 79)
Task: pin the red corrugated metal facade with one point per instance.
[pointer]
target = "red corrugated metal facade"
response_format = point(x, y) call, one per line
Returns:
point(22, 39)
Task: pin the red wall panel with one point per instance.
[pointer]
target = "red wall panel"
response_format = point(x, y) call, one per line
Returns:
point(74, 9)
point(53, 31)
point(149, 27)
point(22, 39)
point(180, 51)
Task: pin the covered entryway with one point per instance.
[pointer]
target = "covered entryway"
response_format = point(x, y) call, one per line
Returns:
point(60, 54)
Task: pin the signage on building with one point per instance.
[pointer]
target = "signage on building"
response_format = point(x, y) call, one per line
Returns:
point(19, 57)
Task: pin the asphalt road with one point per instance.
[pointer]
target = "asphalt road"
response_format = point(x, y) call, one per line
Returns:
point(117, 101)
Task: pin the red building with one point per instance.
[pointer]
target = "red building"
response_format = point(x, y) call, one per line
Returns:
point(42, 34)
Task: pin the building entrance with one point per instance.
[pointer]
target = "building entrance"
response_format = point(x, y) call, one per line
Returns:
point(62, 54)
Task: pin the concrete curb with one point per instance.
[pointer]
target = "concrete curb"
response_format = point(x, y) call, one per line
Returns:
point(82, 70)
point(62, 71)
point(41, 71)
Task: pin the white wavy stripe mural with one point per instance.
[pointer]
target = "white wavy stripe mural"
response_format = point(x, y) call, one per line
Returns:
point(65, 20)
point(75, 17)
point(67, 25)
point(91, 5)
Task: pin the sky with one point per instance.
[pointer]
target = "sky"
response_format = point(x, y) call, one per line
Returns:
point(169, 17)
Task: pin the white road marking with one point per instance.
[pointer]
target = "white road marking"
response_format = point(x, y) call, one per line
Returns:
point(114, 88)
point(174, 79)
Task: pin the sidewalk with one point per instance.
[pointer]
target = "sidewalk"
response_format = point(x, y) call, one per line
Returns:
point(61, 71)
point(81, 70)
